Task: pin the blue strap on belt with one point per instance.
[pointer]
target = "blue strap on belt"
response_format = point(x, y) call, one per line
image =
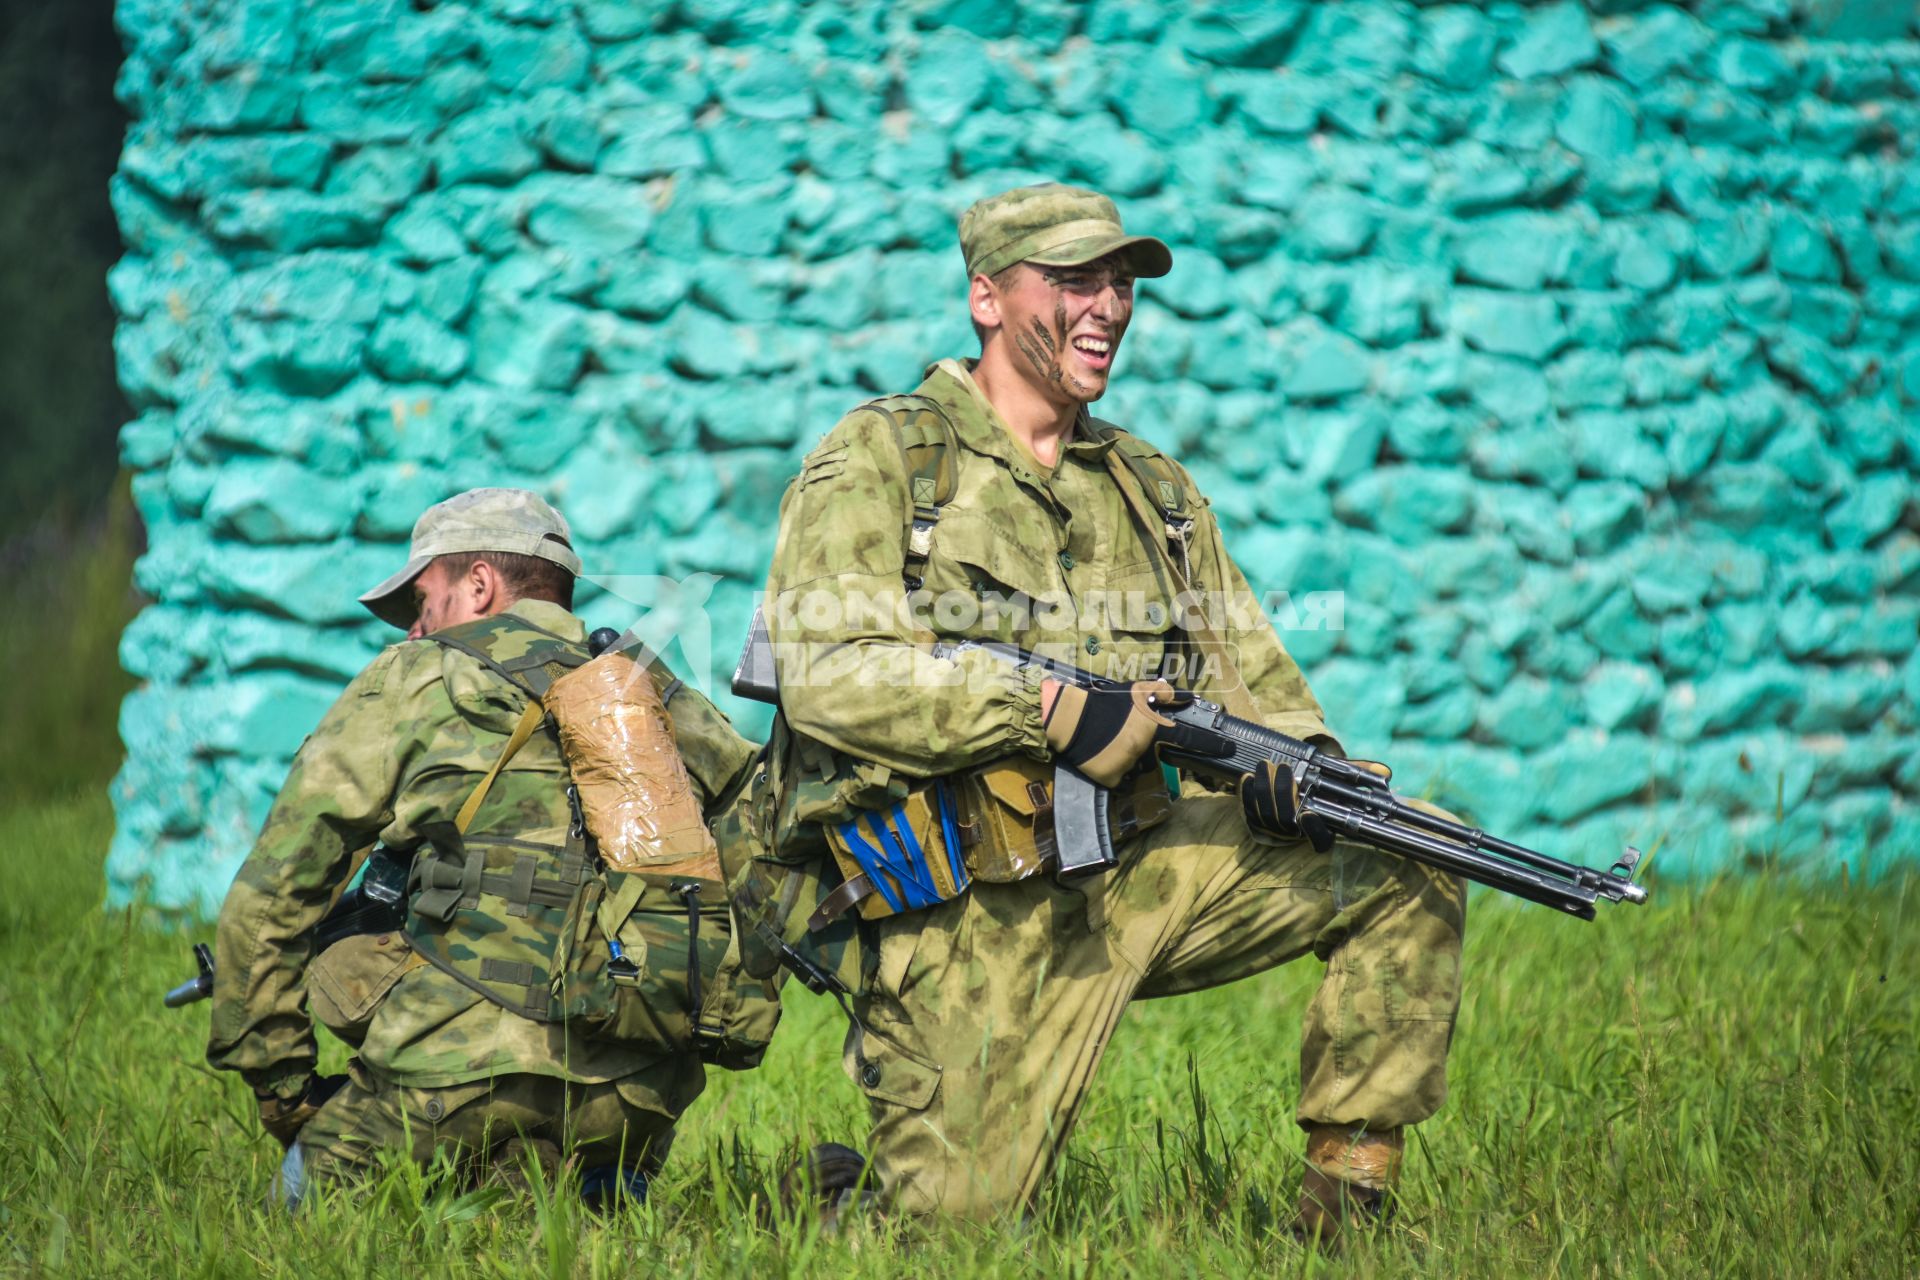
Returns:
point(894, 856)
point(950, 834)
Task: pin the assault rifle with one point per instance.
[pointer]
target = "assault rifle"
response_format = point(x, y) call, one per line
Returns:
point(1220, 749)
point(376, 904)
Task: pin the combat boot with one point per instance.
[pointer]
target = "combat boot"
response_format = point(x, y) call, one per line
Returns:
point(827, 1179)
point(1348, 1182)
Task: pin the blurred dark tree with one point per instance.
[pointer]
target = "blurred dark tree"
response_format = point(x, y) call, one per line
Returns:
point(60, 408)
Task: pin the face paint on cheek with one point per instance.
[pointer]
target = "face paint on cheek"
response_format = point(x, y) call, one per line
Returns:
point(1042, 364)
point(1045, 337)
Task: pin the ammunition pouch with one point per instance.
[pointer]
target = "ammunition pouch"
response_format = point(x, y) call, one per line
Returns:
point(347, 981)
point(646, 949)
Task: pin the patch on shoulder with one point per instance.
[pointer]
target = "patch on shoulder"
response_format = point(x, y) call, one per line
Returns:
point(825, 462)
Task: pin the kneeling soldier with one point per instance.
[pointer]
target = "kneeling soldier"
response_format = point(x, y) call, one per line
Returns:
point(991, 990)
point(505, 1009)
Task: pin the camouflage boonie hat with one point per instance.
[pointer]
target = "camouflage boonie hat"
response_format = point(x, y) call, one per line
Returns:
point(1053, 226)
point(510, 520)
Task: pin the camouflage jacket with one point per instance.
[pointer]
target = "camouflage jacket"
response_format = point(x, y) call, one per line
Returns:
point(401, 750)
point(1049, 558)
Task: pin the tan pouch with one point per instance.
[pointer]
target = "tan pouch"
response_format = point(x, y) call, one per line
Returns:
point(635, 792)
point(1009, 815)
point(1009, 807)
point(346, 982)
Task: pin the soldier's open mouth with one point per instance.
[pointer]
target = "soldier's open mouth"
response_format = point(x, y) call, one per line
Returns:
point(1097, 352)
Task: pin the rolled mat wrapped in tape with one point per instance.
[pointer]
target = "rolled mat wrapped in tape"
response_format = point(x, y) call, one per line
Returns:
point(635, 792)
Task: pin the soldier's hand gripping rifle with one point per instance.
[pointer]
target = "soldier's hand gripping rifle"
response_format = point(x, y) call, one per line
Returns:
point(1349, 800)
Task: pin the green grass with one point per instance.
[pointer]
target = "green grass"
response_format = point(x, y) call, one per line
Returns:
point(1726, 1082)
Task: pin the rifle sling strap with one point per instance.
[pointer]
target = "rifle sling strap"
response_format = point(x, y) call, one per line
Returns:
point(529, 721)
point(1232, 690)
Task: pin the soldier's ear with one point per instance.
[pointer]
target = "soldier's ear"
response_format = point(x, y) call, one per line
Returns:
point(983, 300)
point(485, 587)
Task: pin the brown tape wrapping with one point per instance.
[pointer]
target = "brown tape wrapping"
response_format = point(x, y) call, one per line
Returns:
point(635, 792)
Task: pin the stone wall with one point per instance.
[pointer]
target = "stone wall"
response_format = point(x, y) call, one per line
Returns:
point(1580, 349)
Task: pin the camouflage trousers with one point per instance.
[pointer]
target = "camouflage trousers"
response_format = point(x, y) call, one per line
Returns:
point(627, 1122)
point(985, 1018)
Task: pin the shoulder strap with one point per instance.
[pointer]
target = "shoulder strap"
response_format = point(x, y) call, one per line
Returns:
point(526, 656)
point(927, 444)
point(522, 730)
point(1160, 480)
point(1141, 464)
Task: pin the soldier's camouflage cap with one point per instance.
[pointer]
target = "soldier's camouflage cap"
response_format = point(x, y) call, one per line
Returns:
point(510, 520)
point(1053, 225)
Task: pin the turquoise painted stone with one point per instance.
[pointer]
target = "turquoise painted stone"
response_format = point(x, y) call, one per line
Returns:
point(1537, 454)
point(1616, 695)
point(1588, 379)
point(1585, 772)
point(394, 496)
point(1759, 697)
point(487, 147)
point(1446, 717)
point(1523, 325)
point(586, 214)
point(1534, 521)
point(290, 221)
point(1456, 45)
point(1489, 788)
point(1644, 265)
point(1553, 39)
point(277, 501)
point(1363, 702)
point(1663, 38)
point(1754, 66)
point(1278, 178)
point(1519, 250)
point(1597, 120)
point(1619, 629)
point(1427, 431)
point(1845, 700)
point(766, 86)
point(1407, 503)
point(1340, 445)
point(1801, 250)
point(1333, 225)
point(416, 348)
point(1313, 362)
point(530, 344)
point(1528, 713)
point(650, 140)
point(1870, 510)
point(1669, 577)
point(1251, 33)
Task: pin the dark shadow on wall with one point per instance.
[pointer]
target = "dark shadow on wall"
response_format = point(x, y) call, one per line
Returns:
point(60, 407)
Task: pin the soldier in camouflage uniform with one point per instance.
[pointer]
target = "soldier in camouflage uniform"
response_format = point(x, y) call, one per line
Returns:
point(982, 1019)
point(439, 1065)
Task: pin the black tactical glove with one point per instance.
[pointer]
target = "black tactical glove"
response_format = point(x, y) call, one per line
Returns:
point(1270, 797)
point(1103, 732)
point(284, 1117)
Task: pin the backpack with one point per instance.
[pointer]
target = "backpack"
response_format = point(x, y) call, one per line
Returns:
point(550, 933)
